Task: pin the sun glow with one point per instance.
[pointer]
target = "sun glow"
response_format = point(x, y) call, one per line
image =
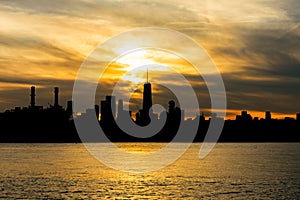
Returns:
point(157, 62)
point(129, 72)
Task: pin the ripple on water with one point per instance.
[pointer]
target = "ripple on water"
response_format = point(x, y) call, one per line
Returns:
point(231, 171)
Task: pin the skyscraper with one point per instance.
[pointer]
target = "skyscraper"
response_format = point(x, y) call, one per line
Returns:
point(56, 90)
point(32, 95)
point(104, 110)
point(147, 103)
point(108, 108)
point(111, 104)
point(147, 97)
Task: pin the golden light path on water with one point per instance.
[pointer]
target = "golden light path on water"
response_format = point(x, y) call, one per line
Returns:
point(243, 171)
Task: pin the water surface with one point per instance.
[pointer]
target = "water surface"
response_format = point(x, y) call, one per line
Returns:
point(240, 171)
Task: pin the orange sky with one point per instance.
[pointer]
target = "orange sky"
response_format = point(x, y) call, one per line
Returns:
point(255, 45)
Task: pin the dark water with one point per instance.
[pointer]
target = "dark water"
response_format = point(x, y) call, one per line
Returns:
point(239, 171)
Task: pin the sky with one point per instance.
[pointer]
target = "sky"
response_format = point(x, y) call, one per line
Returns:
point(254, 44)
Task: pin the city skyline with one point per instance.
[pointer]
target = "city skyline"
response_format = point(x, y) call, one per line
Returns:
point(117, 105)
point(255, 45)
point(139, 99)
point(59, 124)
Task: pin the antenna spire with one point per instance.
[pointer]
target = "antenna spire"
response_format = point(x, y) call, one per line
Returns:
point(147, 75)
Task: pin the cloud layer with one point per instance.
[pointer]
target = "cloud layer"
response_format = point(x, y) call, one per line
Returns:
point(255, 44)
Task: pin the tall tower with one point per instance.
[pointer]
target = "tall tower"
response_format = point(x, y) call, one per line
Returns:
point(111, 104)
point(56, 90)
point(147, 96)
point(32, 95)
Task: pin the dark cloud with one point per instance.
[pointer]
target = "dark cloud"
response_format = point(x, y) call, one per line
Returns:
point(138, 13)
point(279, 55)
point(39, 45)
point(275, 95)
point(291, 7)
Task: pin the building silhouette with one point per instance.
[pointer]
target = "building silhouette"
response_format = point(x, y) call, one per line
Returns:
point(69, 109)
point(147, 97)
point(108, 108)
point(56, 99)
point(56, 91)
point(111, 102)
point(144, 115)
point(32, 99)
point(147, 111)
point(33, 105)
point(56, 124)
point(268, 115)
point(173, 115)
point(244, 117)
